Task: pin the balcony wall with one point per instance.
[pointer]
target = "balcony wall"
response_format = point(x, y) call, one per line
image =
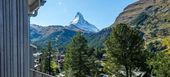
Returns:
point(35, 73)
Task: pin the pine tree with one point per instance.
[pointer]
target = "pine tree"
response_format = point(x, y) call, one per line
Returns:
point(48, 61)
point(79, 59)
point(49, 58)
point(125, 47)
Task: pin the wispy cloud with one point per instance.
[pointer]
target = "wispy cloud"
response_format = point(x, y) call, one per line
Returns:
point(59, 3)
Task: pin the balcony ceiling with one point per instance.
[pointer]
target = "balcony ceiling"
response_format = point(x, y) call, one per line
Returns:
point(33, 5)
point(31, 1)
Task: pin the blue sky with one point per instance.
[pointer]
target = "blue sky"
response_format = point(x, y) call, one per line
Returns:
point(101, 13)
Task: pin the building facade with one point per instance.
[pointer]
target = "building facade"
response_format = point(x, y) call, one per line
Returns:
point(14, 36)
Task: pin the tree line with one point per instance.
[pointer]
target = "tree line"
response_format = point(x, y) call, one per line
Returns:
point(124, 55)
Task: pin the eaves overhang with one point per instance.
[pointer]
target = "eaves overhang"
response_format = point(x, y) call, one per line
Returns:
point(34, 5)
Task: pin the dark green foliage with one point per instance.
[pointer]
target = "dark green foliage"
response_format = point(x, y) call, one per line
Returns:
point(160, 64)
point(79, 58)
point(99, 53)
point(126, 47)
point(97, 39)
point(48, 61)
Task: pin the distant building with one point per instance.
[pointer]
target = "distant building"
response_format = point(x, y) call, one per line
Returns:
point(60, 61)
point(33, 50)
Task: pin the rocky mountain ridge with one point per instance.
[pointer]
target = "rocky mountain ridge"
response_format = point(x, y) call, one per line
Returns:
point(60, 35)
point(150, 16)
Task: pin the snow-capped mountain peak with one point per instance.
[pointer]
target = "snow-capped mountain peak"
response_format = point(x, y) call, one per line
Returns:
point(80, 24)
point(78, 18)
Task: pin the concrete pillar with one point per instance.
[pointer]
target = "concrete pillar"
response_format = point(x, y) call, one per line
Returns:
point(14, 38)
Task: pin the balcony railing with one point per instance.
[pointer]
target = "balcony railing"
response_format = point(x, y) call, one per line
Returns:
point(35, 73)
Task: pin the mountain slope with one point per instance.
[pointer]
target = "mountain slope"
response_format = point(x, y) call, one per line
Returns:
point(150, 16)
point(59, 35)
point(98, 39)
point(35, 32)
